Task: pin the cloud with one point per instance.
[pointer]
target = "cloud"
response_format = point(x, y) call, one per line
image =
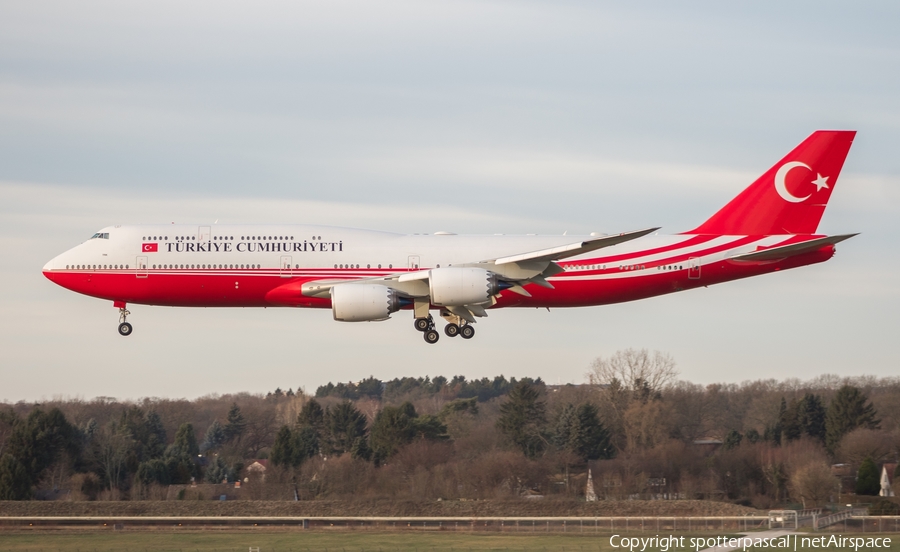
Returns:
point(514, 117)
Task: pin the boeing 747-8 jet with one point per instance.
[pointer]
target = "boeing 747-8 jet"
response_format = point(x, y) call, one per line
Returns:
point(364, 275)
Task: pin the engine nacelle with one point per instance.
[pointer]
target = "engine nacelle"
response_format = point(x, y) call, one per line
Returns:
point(363, 303)
point(458, 286)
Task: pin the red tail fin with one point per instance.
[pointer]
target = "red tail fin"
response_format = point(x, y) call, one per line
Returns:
point(790, 197)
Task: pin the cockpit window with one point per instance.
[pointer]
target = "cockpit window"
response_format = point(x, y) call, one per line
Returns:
point(100, 235)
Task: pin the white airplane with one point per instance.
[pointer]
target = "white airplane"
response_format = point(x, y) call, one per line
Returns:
point(364, 275)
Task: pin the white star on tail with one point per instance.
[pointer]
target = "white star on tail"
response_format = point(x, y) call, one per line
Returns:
point(821, 182)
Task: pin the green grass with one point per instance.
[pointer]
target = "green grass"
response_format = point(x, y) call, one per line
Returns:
point(297, 541)
point(275, 540)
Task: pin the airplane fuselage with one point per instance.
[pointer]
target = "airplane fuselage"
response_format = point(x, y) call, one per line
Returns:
point(264, 265)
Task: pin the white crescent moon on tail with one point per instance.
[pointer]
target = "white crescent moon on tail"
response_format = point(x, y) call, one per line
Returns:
point(781, 188)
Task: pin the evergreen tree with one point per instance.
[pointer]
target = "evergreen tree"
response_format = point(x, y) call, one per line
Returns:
point(791, 428)
point(522, 417)
point(371, 387)
point(134, 423)
point(360, 449)
point(345, 424)
point(458, 406)
point(773, 433)
point(811, 416)
point(156, 440)
point(867, 480)
point(588, 437)
point(752, 436)
point(282, 452)
point(15, 481)
point(236, 423)
point(185, 442)
point(732, 440)
point(155, 471)
point(214, 438)
point(312, 415)
point(305, 444)
point(217, 471)
point(34, 445)
point(430, 428)
point(181, 456)
point(848, 410)
point(392, 428)
point(563, 428)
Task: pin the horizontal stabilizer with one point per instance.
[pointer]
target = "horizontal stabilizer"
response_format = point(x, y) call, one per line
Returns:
point(784, 251)
point(574, 249)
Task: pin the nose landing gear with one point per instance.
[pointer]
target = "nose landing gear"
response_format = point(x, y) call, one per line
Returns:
point(125, 328)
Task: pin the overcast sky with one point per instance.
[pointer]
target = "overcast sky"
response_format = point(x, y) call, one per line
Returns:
point(497, 117)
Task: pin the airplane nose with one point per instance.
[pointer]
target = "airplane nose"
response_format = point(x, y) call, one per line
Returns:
point(52, 264)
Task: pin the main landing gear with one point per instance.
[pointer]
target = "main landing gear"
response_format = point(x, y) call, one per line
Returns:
point(426, 326)
point(125, 328)
point(455, 327)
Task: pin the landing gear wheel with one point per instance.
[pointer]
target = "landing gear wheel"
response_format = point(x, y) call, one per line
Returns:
point(125, 329)
point(423, 324)
point(467, 332)
point(451, 329)
point(431, 336)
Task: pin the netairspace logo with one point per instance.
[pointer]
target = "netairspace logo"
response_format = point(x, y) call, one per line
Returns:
point(782, 542)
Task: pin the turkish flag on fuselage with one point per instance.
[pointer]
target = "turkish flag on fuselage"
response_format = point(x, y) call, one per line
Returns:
point(150, 248)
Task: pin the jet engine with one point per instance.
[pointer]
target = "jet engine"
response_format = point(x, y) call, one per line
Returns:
point(459, 286)
point(364, 303)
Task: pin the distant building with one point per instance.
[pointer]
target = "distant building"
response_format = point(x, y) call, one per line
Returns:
point(708, 444)
point(256, 469)
point(589, 494)
point(846, 475)
point(887, 480)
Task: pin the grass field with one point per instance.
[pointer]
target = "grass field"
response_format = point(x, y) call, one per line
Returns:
point(268, 540)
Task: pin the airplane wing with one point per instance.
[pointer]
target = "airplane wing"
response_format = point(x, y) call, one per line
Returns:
point(785, 251)
point(517, 270)
point(573, 249)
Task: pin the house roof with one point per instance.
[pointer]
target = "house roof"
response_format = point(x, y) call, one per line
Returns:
point(889, 469)
point(258, 465)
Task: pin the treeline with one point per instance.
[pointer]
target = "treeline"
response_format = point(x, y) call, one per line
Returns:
point(483, 389)
point(642, 432)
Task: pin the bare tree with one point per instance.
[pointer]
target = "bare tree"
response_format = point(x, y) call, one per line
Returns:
point(111, 448)
point(860, 443)
point(813, 484)
point(639, 371)
point(261, 429)
point(645, 425)
point(627, 377)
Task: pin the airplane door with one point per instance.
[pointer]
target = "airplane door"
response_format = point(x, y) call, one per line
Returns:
point(285, 266)
point(203, 233)
point(414, 262)
point(140, 264)
point(693, 268)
